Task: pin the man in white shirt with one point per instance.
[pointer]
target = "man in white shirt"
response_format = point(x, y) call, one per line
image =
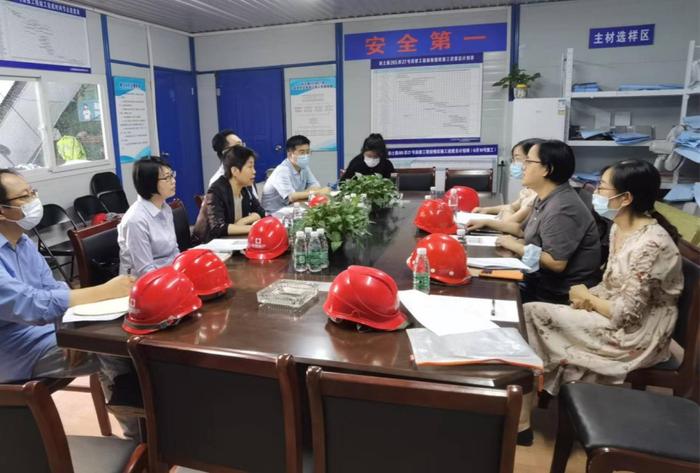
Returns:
point(292, 180)
point(222, 141)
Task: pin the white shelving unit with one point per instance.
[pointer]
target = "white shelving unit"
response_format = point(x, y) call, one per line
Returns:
point(683, 93)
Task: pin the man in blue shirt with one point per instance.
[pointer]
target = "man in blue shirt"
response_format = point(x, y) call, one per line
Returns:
point(291, 181)
point(32, 301)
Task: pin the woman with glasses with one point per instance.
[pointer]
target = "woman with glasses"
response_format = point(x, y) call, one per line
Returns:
point(519, 209)
point(559, 241)
point(625, 322)
point(147, 237)
point(230, 206)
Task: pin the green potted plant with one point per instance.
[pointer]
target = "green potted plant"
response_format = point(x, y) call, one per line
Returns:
point(381, 193)
point(342, 219)
point(519, 80)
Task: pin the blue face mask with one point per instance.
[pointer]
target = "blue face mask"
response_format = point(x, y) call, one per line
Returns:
point(516, 170)
point(303, 161)
point(600, 206)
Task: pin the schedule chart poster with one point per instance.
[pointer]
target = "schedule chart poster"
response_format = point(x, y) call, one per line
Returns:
point(132, 118)
point(40, 34)
point(429, 99)
point(313, 111)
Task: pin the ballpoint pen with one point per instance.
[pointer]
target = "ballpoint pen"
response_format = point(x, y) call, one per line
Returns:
point(493, 307)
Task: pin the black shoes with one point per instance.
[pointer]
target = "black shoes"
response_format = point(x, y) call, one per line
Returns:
point(525, 438)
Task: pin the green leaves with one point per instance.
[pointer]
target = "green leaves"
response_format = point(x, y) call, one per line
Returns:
point(342, 220)
point(516, 76)
point(380, 192)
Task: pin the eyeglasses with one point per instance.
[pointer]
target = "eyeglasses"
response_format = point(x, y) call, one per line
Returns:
point(169, 177)
point(600, 188)
point(526, 161)
point(31, 194)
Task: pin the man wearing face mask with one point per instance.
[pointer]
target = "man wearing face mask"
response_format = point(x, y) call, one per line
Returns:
point(373, 159)
point(32, 301)
point(291, 181)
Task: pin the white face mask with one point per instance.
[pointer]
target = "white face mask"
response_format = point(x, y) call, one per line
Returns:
point(33, 212)
point(601, 206)
point(371, 162)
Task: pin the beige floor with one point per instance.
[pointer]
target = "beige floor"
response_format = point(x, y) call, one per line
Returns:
point(78, 418)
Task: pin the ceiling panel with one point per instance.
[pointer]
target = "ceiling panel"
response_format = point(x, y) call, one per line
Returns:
point(199, 16)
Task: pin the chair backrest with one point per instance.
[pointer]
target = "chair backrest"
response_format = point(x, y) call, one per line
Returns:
point(96, 252)
point(115, 201)
point(236, 411)
point(54, 214)
point(371, 424)
point(103, 182)
point(481, 180)
point(415, 179)
point(87, 207)
point(687, 331)
point(33, 439)
point(182, 225)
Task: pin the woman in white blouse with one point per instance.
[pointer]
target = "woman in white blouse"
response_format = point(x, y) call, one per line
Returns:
point(147, 237)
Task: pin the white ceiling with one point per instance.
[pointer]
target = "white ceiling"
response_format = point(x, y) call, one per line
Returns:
point(198, 16)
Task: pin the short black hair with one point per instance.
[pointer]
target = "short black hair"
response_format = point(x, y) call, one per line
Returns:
point(296, 140)
point(375, 142)
point(526, 144)
point(219, 142)
point(145, 174)
point(558, 158)
point(236, 157)
point(3, 191)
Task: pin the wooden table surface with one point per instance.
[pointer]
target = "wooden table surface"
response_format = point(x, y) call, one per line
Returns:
point(236, 321)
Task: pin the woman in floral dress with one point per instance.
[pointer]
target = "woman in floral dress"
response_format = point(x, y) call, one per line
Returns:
point(625, 322)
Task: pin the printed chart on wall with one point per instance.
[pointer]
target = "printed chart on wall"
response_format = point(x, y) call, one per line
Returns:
point(313, 111)
point(132, 118)
point(429, 98)
point(40, 34)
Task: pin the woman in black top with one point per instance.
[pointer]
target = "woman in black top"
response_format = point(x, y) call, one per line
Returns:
point(230, 207)
point(373, 159)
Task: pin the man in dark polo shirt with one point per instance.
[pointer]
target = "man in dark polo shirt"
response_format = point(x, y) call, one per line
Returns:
point(560, 234)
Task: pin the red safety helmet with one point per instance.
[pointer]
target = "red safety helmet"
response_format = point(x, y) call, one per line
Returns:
point(267, 239)
point(435, 216)
point(447, 259)
point(467, 198)
point(318, 199)
point(366, 296)
point(159, 299)
point(206, 271)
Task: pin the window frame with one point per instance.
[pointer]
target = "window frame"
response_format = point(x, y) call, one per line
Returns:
point(52, 168)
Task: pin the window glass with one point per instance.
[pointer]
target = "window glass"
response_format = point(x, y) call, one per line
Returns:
point(76, 115)
point(20, 122)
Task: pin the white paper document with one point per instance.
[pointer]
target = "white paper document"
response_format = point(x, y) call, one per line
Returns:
point(445, 315)
point(499, 345)
point(110, 309)
point(481, 240)
point(464, 217)
point(225, 245)
point(497, 263)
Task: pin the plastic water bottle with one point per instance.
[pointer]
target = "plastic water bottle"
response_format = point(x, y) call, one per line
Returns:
point(462, 239)
point(288, 222)
point(297, 217)
point(324, 247)
point(300, 252)
point(421, 271)
point(314, 253)
point(433, 192)
point(307, 233)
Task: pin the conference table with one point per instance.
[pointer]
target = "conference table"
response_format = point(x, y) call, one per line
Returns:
point(236, 320)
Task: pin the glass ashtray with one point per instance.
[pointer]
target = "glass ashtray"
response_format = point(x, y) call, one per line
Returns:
point(288, 294)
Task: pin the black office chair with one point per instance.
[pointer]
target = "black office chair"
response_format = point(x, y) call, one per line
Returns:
point(115, 201)
point(87, 207)
point(182, 225)
point(104, 182)
point(33, 439)
point(629, 430)
point(415, 179)
point(96, 252)
point(481, 180)
point(56, 220)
